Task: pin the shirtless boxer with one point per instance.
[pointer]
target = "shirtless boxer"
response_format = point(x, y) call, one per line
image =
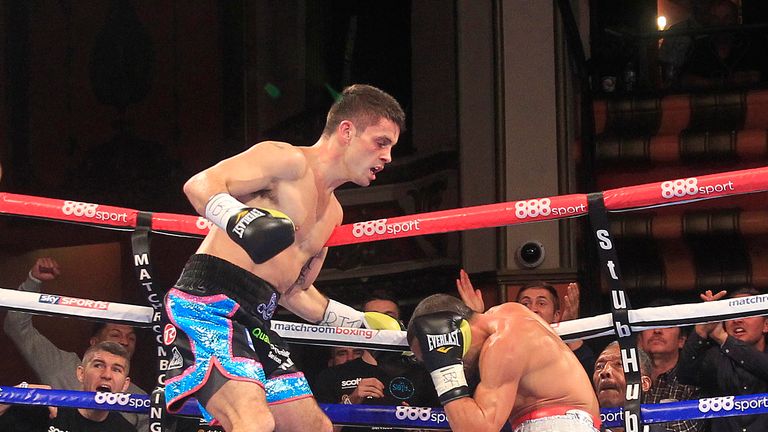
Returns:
point(274, 208)
point(527, 375)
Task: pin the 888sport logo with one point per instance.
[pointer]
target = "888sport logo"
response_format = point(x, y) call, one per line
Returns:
point(420, 414)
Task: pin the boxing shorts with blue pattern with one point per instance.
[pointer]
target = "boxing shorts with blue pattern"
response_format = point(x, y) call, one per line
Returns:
point(222, 314)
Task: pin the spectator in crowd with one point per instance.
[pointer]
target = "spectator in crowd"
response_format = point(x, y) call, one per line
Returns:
point(53, 366)
point(104, 368)
point(342, 354)
point(674, 50)
point(663, 347)
point(610, 382)
point(377, 378)
point(729, 359)
point(724, 58)
point(541, 298)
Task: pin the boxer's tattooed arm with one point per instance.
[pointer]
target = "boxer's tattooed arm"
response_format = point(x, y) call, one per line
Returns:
point(302, 279)
point(311, 268)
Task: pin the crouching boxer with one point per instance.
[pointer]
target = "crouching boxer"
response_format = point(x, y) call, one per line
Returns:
point(526, 374)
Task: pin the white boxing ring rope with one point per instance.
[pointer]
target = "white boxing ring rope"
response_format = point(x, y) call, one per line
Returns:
point(394, 340)
point(523, 211)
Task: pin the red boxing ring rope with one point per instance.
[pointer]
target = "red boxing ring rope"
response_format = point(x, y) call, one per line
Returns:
point(484, 216)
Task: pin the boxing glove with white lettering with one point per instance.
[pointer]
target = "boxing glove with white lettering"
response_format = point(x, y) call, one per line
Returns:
point(262, 233)
point(442, 339)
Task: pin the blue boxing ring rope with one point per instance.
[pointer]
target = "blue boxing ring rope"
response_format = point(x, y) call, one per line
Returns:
point(391, 416)
point(400, 416)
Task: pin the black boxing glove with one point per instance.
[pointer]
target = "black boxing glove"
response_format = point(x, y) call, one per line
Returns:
point(263, 233)
point(443, 339)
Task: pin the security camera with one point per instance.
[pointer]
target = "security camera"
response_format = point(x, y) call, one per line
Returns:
point(530, 254)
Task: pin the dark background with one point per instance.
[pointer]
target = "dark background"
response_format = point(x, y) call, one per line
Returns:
point(118, 102)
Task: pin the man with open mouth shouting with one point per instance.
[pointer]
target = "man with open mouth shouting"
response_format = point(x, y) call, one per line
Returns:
point(729, 359)
point(104, 369)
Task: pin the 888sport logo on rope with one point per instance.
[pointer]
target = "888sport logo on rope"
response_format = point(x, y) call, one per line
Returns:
point(715, 404)
point(381, 227)
point(203, 224)
point(543, 207)
point(690, 186)
point(533, 208)
point(680, 187)
point(105, 398)
point(88, 210)
point(121, 399)
point(79, 209)
point(419, 413)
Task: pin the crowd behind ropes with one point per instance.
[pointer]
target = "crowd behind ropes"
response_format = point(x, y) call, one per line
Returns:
point(677, 363)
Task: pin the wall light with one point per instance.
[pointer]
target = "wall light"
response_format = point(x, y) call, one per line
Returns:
point(661, 21)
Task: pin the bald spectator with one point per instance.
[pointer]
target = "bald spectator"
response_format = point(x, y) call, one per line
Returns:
point(611, 384)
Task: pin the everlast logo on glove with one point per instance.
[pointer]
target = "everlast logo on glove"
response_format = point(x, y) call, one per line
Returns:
point(243, 219)
point(437, 334)
point(261, 233)
point(442, 340)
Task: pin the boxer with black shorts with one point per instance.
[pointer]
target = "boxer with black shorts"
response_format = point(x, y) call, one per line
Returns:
point(274, 208)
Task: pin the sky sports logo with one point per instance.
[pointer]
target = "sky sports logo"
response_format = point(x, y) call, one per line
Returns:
point(81, 209)
point(380, 226)
point(72, 302)
point(690, 186)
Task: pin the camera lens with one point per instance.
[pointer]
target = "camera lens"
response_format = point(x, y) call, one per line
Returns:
point(530, 254)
